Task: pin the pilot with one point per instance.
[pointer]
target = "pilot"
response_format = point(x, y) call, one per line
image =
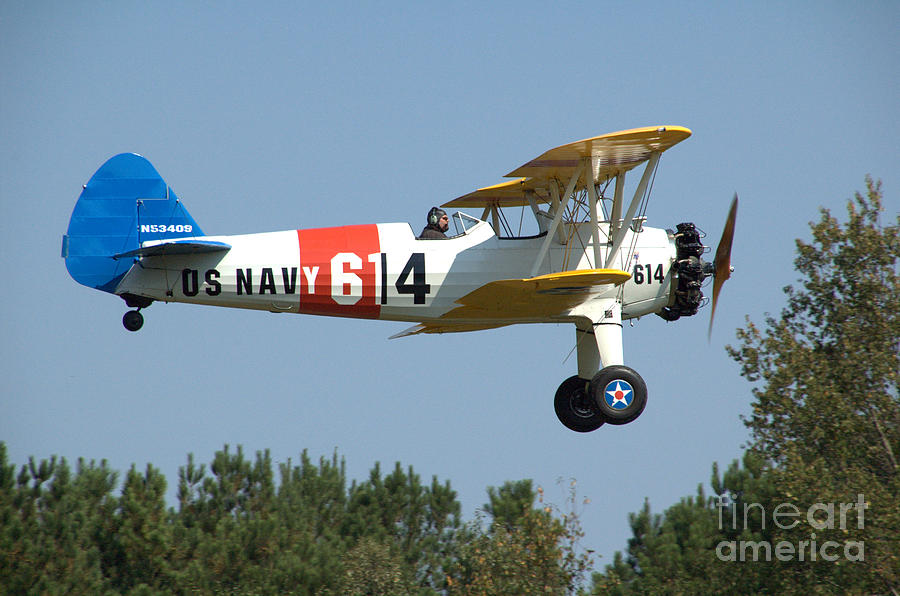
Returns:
point(438, 223)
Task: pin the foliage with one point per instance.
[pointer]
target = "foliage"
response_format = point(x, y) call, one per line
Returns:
point(526, 550)
point(509, 503)
point(238, 531)
point(52, 526)
point(371, 568)
point(829, 367)
point(826, 412)
point(686, 549)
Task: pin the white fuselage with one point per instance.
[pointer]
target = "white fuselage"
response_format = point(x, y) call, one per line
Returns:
point(382, 271)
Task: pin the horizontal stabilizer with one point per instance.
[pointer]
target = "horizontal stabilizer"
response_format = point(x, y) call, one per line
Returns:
point(188, 246)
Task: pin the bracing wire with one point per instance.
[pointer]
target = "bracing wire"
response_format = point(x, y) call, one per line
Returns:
point(642, 211)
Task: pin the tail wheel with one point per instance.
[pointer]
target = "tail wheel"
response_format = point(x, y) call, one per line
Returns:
point(619, 394)
point(575, 407)
point(133, 320)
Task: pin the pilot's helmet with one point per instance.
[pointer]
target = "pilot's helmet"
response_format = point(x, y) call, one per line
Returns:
point(435, 215)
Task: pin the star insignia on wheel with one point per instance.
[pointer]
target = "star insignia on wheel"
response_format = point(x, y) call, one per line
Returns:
point(618, 394)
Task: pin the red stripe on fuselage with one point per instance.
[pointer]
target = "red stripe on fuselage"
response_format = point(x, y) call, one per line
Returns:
point(337, 271)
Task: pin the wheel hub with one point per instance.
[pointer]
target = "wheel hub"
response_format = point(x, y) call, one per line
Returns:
point(582, 405)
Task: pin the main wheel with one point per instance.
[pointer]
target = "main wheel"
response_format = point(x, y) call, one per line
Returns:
point(619, 393)
point(575, 407)
point(133, 320)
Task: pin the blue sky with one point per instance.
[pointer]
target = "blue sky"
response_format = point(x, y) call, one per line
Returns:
point(273, 116)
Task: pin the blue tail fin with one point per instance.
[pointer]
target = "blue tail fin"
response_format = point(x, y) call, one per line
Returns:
point(126, 202)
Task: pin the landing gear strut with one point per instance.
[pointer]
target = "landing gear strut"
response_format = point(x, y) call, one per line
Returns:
point(615, 394)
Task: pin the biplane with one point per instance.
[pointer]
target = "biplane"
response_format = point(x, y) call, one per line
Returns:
point(586, 257)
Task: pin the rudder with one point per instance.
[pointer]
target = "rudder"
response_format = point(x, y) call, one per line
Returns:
point(126, 202)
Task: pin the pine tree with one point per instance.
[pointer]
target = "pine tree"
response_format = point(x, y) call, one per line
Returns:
point(234, 532)
point(54, 527)
point(140, 541)
point(510, 502)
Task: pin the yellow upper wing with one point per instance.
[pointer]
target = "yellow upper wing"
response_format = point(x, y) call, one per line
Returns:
point(610, 154)
point(505, 194)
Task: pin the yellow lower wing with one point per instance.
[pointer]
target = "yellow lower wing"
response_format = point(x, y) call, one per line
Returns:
point(494, 304)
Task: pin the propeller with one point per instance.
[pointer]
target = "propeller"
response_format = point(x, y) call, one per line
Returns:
point(722, 263)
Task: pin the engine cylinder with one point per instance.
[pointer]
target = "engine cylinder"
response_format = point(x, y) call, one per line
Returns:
point(687, 295)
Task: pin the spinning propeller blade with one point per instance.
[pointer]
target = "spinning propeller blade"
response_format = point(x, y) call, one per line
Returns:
point(722, 263)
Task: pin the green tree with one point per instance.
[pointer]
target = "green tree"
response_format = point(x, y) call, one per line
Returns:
point(311, 510)
point(510, 502)
point(702, 544)
point(235, 532)
point(54, 526)
point(371, 568)
point(140, 542)
point(227, 537)
point(418, 521)
point(528, 547)
point(826, 409)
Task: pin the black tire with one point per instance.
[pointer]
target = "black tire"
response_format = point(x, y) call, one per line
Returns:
point(575, 407)
point(619, 393)
point(133, 320)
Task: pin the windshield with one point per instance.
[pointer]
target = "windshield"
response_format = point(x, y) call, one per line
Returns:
point(463, 223)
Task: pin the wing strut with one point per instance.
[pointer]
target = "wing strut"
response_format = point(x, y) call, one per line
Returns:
point(632, 208)
point(616, 211)
point(557, 217)
point(556, 204)
point(592, 205)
